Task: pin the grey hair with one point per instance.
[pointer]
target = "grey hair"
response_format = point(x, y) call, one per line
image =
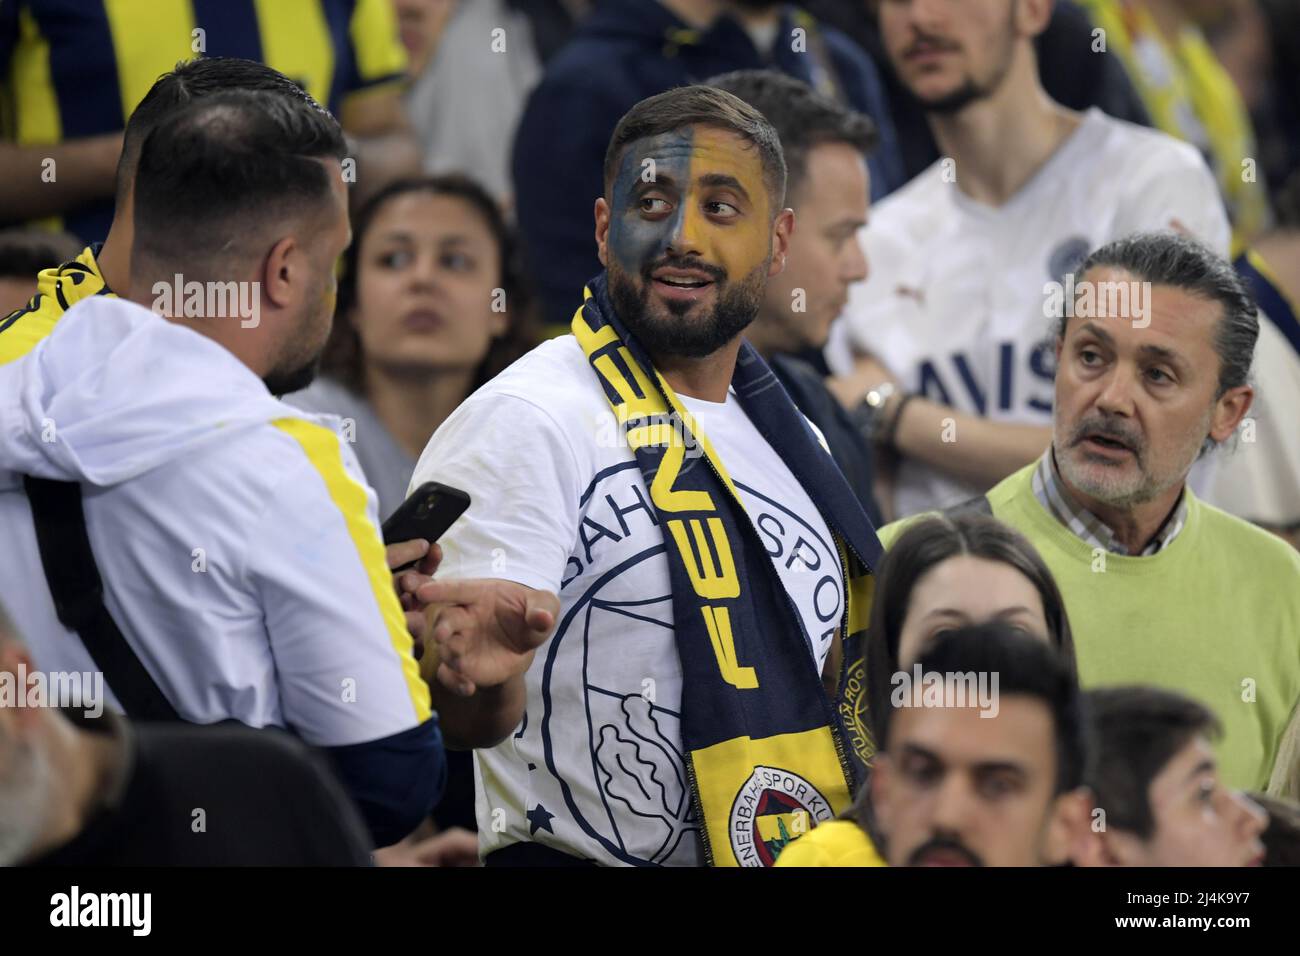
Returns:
point(1173, 259)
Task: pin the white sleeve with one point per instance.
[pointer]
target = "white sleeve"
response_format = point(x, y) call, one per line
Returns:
point(1176, 189)
point(342, 652)
point(524, 484)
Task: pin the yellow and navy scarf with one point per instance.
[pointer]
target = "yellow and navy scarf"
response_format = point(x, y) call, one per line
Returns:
point(764, 750)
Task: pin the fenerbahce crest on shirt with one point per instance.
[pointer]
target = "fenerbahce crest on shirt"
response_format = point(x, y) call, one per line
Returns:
point(771, 809)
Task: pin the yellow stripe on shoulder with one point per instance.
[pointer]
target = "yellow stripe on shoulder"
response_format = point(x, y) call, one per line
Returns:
point(321, 445)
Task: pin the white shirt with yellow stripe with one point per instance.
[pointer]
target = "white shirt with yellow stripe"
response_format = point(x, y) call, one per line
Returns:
point(236, 535)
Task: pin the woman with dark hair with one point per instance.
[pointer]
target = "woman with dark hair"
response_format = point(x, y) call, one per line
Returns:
point(945, 572)
point(431, 305)
point(942, 573)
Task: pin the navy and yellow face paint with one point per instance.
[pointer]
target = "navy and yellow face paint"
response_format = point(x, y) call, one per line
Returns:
point(690, 215)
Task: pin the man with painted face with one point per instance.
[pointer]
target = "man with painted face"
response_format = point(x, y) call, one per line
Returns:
point(627, 50)
point(708, 554)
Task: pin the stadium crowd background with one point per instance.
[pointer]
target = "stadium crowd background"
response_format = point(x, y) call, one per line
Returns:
point(470, 146)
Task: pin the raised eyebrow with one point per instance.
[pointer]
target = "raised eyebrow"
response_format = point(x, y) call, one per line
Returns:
point(724, 181)
point(1092, 328)
point(661, 179)
point(1162, 354)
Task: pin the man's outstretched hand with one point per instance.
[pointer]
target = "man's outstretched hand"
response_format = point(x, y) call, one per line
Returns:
point(484, 630)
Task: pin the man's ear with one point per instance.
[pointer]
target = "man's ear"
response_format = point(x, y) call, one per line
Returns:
point(1230, 408)
point(1032, 16)
point(782, 230)
point(1115, 848)
point(1071, 837)
point(602, 231)
point(281, 272)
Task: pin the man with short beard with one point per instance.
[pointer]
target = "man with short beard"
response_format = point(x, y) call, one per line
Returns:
point(1162, 588)
point(708, 554)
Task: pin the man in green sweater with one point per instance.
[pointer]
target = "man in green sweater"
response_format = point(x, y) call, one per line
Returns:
point(1154, 349)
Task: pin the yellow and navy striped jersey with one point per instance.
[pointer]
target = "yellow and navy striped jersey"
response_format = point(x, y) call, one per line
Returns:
point(57, 290)
point(78, 68)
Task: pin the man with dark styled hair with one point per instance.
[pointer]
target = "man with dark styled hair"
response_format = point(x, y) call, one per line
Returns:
point(827, 185)
point(1153, 356)
point(104, 267)
point(225, 562)
point(78, 789)
point(996, 781)
point(706, 551)
point(1156, 785)
point(270, 155)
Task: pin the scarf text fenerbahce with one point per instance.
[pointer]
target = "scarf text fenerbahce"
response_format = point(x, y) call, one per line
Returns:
point(764, 751)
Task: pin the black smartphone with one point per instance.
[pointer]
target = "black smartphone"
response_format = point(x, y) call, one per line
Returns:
point(427, 514)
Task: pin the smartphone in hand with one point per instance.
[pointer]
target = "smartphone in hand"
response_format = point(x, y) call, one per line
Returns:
point(427, 513)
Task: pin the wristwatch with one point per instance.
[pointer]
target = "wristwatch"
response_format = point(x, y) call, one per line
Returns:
point(870, 417)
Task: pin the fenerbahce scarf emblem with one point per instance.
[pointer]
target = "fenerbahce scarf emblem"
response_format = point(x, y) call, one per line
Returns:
point(764, 753)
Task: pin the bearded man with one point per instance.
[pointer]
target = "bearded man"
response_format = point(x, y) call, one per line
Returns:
point(708, 555)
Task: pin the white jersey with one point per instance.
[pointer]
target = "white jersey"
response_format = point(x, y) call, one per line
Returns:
point(956, 303)
point(595, 768)
point(235, 535)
